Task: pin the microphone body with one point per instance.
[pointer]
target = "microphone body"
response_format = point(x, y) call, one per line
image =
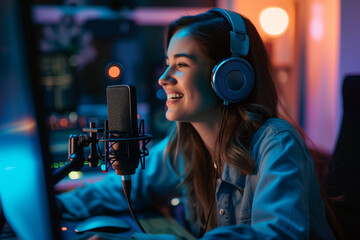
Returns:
point(122, 137)
point(123, 127)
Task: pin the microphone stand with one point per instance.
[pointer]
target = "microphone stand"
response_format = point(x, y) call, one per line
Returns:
point(75, 163)
point(76, 158)
point(126, 172)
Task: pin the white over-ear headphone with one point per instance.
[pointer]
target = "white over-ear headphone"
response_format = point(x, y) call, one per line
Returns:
point(233, 77)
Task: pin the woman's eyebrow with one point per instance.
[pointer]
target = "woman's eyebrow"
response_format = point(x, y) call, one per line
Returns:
point(191, 57)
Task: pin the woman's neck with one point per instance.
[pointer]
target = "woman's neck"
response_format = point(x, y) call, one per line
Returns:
point(208, 132)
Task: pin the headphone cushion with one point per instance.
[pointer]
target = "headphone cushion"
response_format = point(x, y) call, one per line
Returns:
point(233, 79)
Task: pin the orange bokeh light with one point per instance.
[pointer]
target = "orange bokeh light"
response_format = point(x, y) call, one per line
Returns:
point(64, 122)
point(114, 71)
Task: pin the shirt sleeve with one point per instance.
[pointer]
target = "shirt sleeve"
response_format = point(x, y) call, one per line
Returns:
point(280, 207)
point(107, 196)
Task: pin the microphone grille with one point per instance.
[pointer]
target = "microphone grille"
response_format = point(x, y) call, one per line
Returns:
point(122, 109)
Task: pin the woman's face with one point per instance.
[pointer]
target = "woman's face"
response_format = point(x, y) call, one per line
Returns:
point(186, 81)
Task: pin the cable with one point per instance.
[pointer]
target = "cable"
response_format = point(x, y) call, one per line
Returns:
point(217, 169)
point(221, 132)
point(126, 183)
point(212, 206)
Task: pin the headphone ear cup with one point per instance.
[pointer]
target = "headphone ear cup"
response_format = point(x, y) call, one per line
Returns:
point(233, 79)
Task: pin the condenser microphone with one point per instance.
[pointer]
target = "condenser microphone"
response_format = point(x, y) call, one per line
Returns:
point(124, 135)
point(123, 127)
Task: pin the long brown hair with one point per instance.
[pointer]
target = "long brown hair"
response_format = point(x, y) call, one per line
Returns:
point(211, 31)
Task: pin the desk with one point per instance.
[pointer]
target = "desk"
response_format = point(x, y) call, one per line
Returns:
point(89, 177)
point(154, 223)
point(151, 222)
point(68, 228)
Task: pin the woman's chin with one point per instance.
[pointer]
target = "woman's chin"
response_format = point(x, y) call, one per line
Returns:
point(170, 117)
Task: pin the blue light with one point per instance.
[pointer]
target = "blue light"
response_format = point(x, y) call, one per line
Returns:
point(160, 94)
point(22, 184)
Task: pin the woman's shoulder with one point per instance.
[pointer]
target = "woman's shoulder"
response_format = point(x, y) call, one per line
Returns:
point(275, 126)
point(276, 132)
point(157, 147)
point(278, 125)
point(159, 144)
point(278, 140)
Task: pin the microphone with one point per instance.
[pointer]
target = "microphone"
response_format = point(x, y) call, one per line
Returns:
point(123, 136)
point(123, 128)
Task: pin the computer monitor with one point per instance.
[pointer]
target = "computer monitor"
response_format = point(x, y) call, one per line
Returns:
point(26, 194)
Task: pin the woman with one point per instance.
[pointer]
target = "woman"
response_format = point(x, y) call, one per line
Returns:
point(241, 171)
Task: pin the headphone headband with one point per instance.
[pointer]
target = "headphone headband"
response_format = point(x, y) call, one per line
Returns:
point(233, 77)
point(239, 40)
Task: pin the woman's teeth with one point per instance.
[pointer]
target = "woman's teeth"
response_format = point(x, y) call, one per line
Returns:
point(173, 96)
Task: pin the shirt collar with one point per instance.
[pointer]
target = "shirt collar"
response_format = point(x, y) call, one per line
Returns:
point(232, 176)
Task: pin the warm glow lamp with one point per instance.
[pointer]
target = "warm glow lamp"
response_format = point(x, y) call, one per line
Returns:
point(274, 20)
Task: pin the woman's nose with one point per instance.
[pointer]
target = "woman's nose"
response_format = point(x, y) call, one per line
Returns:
point(166, 78)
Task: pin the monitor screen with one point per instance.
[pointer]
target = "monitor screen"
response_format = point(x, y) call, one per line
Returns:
point(26, 196)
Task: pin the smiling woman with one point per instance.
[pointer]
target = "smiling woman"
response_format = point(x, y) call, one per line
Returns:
point(239, 170)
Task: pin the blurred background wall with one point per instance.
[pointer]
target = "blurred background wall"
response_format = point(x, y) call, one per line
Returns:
point(316, 48)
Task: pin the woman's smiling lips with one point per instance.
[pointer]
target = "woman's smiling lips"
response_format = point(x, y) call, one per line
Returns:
point(173, 97)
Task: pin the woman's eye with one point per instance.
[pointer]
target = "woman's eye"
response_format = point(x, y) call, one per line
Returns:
point(180, 65)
